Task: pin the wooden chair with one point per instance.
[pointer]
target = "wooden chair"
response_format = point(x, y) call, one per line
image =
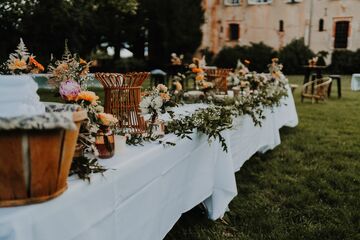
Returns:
point(219, 77)
point(316, 90)
point(122, 98)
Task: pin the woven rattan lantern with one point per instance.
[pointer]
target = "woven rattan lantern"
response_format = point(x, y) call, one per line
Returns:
point(219, 77)
point(122, 98)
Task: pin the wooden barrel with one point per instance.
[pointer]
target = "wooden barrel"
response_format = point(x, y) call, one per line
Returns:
point(34, 164)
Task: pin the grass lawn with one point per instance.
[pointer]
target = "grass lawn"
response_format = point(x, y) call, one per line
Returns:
point(306, 188)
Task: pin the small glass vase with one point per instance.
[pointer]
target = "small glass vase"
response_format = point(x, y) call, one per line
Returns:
point(156, 128)
point(105, 142)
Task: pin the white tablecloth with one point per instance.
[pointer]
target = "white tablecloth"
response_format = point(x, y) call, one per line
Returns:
point(355, 82)
point(146, 189)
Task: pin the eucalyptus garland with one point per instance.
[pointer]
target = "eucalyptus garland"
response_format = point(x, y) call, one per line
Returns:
point(256, 92)
point(210, 121)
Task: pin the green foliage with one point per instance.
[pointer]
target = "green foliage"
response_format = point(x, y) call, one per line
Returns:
point(259, 55)
point(345, 62)
point(83, 167)
point(210, 121)
point(294, 56)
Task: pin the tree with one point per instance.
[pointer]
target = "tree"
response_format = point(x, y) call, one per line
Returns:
point(11, 23)
point(172, 26)
point(294, 56)
point(46, 25)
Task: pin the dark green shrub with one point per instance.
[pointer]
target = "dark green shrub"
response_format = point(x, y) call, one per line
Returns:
point(259, 55)
point(227, 57)
point(294, 56)
point(345, 62)
point(121, 65)
point(130, 65)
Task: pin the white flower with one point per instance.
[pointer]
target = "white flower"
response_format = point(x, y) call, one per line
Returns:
point(157, 103)
point(145, 104)
point(161, 88)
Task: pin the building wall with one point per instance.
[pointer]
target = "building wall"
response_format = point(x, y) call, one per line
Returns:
point(261, 23)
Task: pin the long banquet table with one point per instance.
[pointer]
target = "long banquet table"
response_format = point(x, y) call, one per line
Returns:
point(147, 188)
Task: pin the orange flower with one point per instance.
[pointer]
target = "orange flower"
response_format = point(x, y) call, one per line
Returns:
point(196, 61)
point(88, 96)
point(206, 84)
point(161, 88)
point(107, 119)
point(247, 61)
point(193, 65)
point(199, 77)
point(165, 96)
point(61, 70)
point(197, 70)
point(36, 64)
point(82, 61)
point(17, 64)
point(244, 84)
point(178, 86)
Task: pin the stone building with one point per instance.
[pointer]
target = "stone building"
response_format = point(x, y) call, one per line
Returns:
point(325, 24)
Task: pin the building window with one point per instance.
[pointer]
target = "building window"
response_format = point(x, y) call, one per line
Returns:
point(293, 1)
point(232, 2)
point(233, 32)
point(281, 26)
point(252, 2)
point(341, 34)
point(321, 25)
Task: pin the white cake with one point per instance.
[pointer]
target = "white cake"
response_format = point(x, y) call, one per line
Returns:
point(18, 96)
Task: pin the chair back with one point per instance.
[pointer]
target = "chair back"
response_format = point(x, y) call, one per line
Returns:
point(316, 89)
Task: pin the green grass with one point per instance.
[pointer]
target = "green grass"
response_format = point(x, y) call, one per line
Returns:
point(306, 188)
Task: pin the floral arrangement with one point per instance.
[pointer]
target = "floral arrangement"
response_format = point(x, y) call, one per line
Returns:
point(200, 77)
point(313, 61)
point(69, 68)
point(176, 60)
point(275, 69)
point(178, 88)
point(70, 76)
point(240, 71)
point(22, 62)
point(106, 120)
point(155, 102)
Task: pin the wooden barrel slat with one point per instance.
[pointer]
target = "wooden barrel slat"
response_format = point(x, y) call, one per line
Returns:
point(12, 181)
point(67, 153)
point(45, 149)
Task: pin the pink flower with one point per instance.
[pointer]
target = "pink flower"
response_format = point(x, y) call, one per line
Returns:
point(69, 90)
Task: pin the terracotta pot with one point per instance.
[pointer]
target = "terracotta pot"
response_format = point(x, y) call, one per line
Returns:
point(35, 164)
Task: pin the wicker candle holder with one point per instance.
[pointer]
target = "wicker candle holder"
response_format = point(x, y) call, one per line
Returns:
point(219, 77)
point(122, 98)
